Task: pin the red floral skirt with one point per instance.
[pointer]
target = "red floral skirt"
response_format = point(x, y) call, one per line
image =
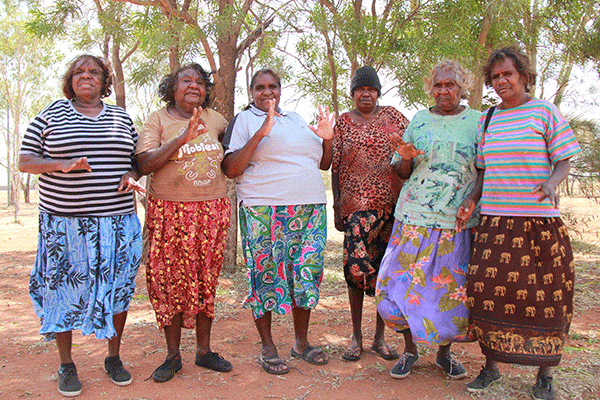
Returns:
point(187, 241)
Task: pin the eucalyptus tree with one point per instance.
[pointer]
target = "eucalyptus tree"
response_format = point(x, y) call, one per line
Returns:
point(26, 64)
point(95, 25)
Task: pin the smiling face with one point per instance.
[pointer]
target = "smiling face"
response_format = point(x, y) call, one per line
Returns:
point(265, 90)
point(508, 83)
point(87, 80)
point(365, 99)
point(446, 92)
point(190, 90)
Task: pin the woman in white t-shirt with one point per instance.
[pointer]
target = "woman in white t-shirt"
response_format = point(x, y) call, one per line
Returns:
point(275, 157)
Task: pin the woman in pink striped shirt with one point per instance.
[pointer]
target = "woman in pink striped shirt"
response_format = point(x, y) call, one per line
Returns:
point(521, 271)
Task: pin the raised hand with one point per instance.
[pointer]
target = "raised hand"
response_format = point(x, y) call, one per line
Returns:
point(325, 121)
point(197, 126)
point(407, 151)
point(76, 164)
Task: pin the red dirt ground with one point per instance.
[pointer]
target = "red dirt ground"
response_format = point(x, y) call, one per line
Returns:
point(28, 365)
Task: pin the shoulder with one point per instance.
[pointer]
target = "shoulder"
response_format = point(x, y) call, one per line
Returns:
point(117, 111)
point(215, 116)
point(57, 107)
point(393, 112)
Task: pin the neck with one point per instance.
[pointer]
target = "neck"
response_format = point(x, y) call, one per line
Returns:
point(367, 113)
point(87, 103)
point(457, 110)
point(182, 111)
point(515, 103)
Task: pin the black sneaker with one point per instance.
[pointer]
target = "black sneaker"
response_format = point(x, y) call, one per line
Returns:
point(118, 374)
point(213, 361)
point(168, 369)
point(404, 365)
point(484, 380)
point(543, 389)
point(68, 383)
point(451, 366)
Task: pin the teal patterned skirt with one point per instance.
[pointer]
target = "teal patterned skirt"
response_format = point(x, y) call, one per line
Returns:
point(284, 252)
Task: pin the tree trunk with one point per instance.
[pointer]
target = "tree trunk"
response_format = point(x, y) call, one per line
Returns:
point(477, 92)
point(27, 189)
point(119, 76)
point(224, 97)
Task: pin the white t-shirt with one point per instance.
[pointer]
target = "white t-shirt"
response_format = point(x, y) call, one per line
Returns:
point(284, 169)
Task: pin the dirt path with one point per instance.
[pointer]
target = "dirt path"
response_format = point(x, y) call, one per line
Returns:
point(28, 365)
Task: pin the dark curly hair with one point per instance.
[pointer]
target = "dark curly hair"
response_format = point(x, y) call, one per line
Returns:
point(107, 76)
point(166, 88)
point(519, 59)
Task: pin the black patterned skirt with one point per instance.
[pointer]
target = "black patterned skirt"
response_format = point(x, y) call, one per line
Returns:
point(520, 289)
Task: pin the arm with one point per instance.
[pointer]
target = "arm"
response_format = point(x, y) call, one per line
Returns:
point(32, 164)
point(234, 164)
point(408, 152)
point(152, 160)
point(548, 188)
point(467, 207)
point(335, 188)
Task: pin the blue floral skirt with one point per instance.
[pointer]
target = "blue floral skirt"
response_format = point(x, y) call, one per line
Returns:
point(84, 272)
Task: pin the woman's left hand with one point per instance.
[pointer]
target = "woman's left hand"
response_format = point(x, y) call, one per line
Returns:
point(128, 183)
point(325, 121)
point(547, 192)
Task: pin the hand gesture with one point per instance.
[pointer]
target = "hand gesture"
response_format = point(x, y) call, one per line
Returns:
point(76, 164)
point(196, 127)
point(269, 122)
point(547, 191)
point(407, 151)
point(463, 213)
point(324, 128)
point(128, 183)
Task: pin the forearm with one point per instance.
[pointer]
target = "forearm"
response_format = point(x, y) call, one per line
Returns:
point(403, 168)
point(152, 160)
point(327, 155)
point(475, 194)
point(37, 165)
point(335, 186)
point(234, 164)
point(559, 173)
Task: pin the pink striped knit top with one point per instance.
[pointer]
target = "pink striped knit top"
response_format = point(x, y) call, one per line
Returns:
point(518, 151)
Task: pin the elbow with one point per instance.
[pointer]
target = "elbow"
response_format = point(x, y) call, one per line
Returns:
point(228, 168)
point(143, 165)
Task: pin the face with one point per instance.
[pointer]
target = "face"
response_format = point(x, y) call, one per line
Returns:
point(266, 90)
point(365, 98)
point(507, 82)
point(87, 79)
point(446, 92)
point(190, 89)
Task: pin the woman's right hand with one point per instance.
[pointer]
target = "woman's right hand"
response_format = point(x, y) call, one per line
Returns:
point(196, 127)
point(269, 122)
point(75, 164)
point(463, 213)
point(407, 151)
point(337, 218)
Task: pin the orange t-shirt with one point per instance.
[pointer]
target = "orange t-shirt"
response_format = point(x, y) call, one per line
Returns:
point(194, 173)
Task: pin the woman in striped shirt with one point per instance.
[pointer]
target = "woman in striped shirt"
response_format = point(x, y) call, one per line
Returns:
point(89, 244)
point(520, 275)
